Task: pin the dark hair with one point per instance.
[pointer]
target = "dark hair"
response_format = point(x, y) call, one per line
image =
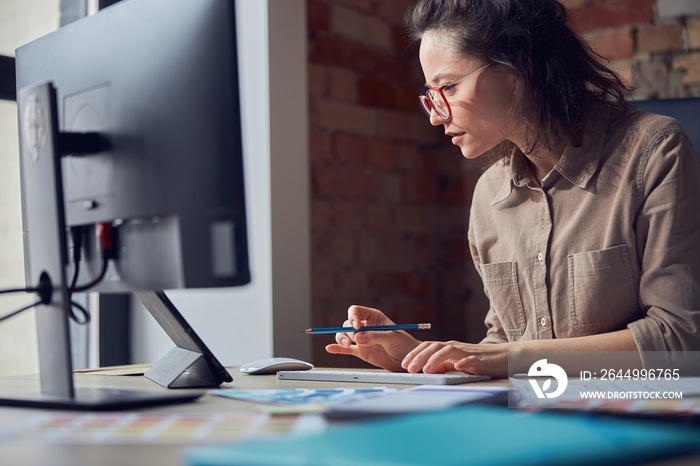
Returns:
point(561, 80)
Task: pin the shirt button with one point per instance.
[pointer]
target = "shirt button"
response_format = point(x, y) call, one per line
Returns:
point(543, 322)
point(540, 257)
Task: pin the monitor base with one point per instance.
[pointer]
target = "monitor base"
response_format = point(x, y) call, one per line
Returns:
point(102, 399)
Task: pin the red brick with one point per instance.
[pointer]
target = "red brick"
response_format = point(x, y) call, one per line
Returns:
point(383, 249)
point(368, 248)
point(379, 33)
point(448, 158)
point(376, 92)
point(393, 10)
point(345, 53)
point(333, 247)
point(420, 130)
point(403, 43)
point(343, 182)
point(352, 283)
point(613, 44)
point(422, 250)
point(321, 249)
point(384, 282)
point(381, 154)
point(452, 190)
point(321, 214)
point(571, 4)
point(414, 311)
point(390, 188)
point(319, 145)
point(396, 66)
point(456, 250)
point(454, 277)
point(612, 13)
point(342, 84)
point(414, 218)
point(378, 217)
point(419, 188)
point(410, 159)
point(457, 189)
point(416, 285)
point(349, 148)
point(349, 216)
point(317, 16)
point(365, 5)
point(407, 97)
point(323, 284)
point(392, 125)
point(317, 80)
point(660, 38)
point(344, 116)
point(693, 27)
point(453, 220)
point(348, 22)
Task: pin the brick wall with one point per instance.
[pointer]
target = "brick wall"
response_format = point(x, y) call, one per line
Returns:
point(390, 195)
point(653, 44)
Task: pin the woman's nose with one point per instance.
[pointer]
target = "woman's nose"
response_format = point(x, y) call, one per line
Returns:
point(435, 119)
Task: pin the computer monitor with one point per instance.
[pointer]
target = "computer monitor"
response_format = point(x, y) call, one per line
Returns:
point(130, 124)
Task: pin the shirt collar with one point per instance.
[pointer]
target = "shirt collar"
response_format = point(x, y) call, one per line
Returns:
point(577, 164)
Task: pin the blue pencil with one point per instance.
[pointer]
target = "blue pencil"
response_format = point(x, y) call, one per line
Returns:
point(366, 328)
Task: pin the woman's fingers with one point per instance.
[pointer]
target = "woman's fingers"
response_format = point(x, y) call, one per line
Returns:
point(359, 316)
point(432, 357)
point(472, 365)
point(335, 348)
point(345, 339)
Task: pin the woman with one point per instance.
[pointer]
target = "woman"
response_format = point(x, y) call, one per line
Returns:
point(585, 231)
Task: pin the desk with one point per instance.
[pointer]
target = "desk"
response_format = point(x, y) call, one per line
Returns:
point(158, 454)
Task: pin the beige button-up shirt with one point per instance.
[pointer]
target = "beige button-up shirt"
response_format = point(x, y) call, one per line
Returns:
point(610, 240)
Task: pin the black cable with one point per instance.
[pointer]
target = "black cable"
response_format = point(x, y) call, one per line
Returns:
point(77, 237)
point(19, 290)
point(96, 281)
point(83, 311)
point(45, 288)
point(25, 308)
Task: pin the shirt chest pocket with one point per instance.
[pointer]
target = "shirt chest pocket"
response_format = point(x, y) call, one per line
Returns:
point(501, 283)
point(602, 290)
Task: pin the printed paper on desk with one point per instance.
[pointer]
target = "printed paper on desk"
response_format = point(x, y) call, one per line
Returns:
point(418, 399)
point(302, 396)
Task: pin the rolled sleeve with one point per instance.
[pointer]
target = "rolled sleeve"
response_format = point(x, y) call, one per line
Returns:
point(668, 243)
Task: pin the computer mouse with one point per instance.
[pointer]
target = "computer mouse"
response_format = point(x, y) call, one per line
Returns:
point(273, 365)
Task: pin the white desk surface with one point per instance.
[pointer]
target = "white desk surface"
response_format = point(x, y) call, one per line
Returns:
point(156, 454)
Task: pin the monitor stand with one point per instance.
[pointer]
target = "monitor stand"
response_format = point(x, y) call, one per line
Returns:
point(46, 256)
point(190, 364)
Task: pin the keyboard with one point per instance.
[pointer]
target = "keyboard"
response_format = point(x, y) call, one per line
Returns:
point(380, 377)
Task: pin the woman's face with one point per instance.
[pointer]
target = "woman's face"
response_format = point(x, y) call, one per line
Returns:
point(479, 103)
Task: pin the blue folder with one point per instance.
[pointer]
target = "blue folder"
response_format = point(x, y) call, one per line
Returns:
point(466, 436)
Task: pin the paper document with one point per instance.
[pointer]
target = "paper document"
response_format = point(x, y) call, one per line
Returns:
point(418, 399)
point(302, 396)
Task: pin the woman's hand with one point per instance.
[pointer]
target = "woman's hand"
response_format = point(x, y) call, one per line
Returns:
point(437, 357)
point(385, 349)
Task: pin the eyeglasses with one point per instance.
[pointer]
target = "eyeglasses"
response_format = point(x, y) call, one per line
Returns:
point(435, 99)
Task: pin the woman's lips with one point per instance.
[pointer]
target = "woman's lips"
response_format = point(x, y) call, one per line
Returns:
point(456, 138)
